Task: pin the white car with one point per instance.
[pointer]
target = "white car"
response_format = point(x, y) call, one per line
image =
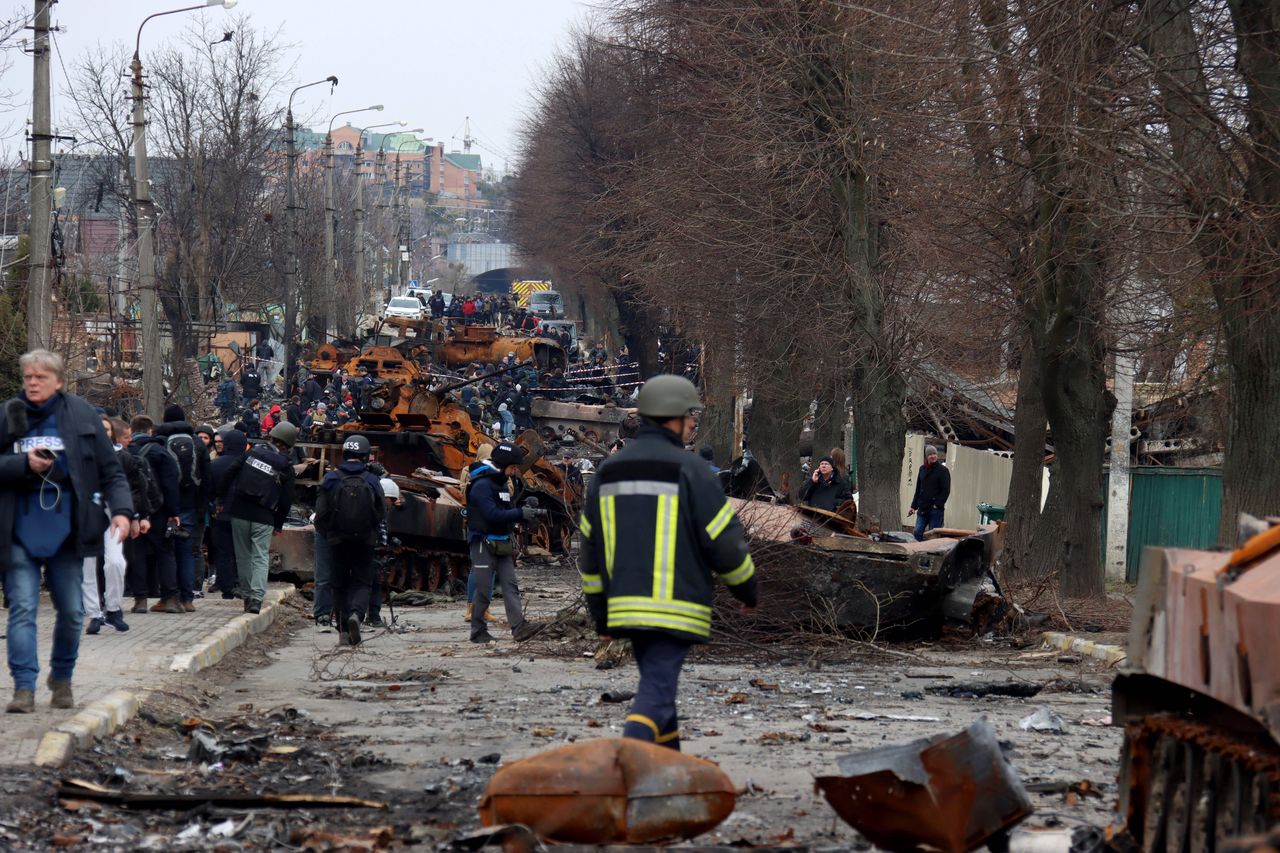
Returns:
point(405, 306)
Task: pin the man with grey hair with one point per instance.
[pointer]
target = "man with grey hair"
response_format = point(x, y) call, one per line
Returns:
point(59, 479)
point(933, 487)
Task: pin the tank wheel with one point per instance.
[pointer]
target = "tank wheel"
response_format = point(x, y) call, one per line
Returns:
point(566, 537)
point(435, 574)
point(591, 435)
point(1159, 788)
point(1203, 829)
point(1229, 784)
point(542, 536)
point(1256, 814)
point(1183, 793)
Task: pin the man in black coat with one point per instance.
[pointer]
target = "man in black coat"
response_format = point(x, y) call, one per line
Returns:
point(933, 487)
point(194, 494)
point(165, 522)
point(826, 488)
point(61, 489)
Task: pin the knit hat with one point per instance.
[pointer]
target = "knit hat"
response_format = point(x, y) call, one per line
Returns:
point(828, 460)
point(507, 454)
point(174, 413)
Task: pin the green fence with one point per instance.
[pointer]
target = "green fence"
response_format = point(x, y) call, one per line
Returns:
point(1171, 507)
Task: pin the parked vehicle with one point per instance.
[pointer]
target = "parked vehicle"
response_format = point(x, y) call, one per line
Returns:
point(546, 304)
point(408, 307)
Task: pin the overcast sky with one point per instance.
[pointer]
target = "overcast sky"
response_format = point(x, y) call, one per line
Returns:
point(431, 63)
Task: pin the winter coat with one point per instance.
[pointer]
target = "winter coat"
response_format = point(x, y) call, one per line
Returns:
point(933, 487)
point(234, 444)
point(93, 474)
point(828, 493)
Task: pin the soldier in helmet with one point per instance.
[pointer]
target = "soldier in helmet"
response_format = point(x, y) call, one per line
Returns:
point(257, 493)
point(656, 532)
point(350, 512)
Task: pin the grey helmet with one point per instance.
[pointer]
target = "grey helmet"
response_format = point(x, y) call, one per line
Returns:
point(668, 396)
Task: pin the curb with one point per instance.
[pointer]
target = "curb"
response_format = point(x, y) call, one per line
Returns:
point(105, 716)
point(1108, 654)
point(230, 636)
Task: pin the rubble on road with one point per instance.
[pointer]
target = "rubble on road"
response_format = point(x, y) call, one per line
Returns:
point(946, 794)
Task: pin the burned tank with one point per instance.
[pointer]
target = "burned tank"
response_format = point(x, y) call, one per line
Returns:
point(485, 345)
point(1199, 697)
point(425, 439)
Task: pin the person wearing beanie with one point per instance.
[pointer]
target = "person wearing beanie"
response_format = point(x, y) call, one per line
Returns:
point(483, 454)
point(826, 488)
point(257, 494)
point(194, 495)
point(492, 516)
point(933, 487)
point(350, 511)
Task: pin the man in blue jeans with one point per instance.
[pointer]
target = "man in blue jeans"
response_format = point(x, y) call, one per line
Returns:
point(933, 487)
point(59, 476)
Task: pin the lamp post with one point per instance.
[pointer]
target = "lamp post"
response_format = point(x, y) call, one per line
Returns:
point(403, 223)
point(291, 224)
point(152, 380)
point(359, 211)
point(329, 210)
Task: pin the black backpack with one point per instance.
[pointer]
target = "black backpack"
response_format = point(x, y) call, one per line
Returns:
point(152, 498)
point(260, 478)
point(183, 448)
point(354, 514)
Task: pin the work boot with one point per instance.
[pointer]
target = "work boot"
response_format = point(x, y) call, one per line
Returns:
point(253, 605)
point(62, 697)
point(353, 629)
point(115, 619)
point(467, 618)
point(23, 702)
point(95, 625)
point(139, 604)
point(167, 605)
point(484, 638)
point(189, 606)
point(322, 622)
point(488, 615)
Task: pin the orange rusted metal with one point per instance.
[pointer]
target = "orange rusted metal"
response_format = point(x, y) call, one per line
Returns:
point(947, 794)
point(610, 791)
point(484, 345)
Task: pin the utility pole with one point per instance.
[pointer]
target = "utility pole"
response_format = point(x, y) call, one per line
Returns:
point(1117, 555)
point(291, 294)
point(402, 229)
point(39, 273)
point(152, 379)
point(361, 293)
point(329, 258)
point(395, 208)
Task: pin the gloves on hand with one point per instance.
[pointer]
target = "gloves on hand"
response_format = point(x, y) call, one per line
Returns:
point(529, 513)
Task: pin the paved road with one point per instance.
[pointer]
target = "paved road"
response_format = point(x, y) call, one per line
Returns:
point(137, 659)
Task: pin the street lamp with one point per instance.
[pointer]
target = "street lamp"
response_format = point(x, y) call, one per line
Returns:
point(152, 381)
point(290, 212)
point(359, 211)
point(329, 211)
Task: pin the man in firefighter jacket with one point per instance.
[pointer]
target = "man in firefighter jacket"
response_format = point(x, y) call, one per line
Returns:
point(656, 531)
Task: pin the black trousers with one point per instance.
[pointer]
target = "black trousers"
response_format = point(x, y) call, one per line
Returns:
point(653, 716)
point(350, 578)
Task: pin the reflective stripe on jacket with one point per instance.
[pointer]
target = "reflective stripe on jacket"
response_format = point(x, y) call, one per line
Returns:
point(656, 530)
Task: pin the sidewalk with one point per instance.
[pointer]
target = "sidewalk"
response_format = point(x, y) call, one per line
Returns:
point(135, 661)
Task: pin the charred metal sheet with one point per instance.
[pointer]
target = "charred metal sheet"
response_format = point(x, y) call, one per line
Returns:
point(293, 552)
point(947, 794)
point(608, 791)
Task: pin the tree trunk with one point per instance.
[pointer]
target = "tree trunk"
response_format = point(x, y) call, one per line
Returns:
point(1030, 431)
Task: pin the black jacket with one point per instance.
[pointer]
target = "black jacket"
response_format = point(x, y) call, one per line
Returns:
point(152, 448)
point(933, 487)
point(324, 500)
point(190, 498)
point(656, 532)
point(826, 494)
point(237, 506)
point(491, 508)
point(233, 447)
point(132, 468)
point(92, 469)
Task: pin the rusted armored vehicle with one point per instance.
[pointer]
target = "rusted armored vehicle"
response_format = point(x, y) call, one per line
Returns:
point(425, 439)
point(484, 345)
point(1199, 697)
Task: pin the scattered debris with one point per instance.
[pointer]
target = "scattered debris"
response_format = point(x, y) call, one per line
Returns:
point(605, 791)
point(80, 789)
point(978, 689)
point(617, 696)
point(947, 794)
point(1043, 720)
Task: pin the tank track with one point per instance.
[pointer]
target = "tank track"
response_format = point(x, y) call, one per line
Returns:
point(1190, 787)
